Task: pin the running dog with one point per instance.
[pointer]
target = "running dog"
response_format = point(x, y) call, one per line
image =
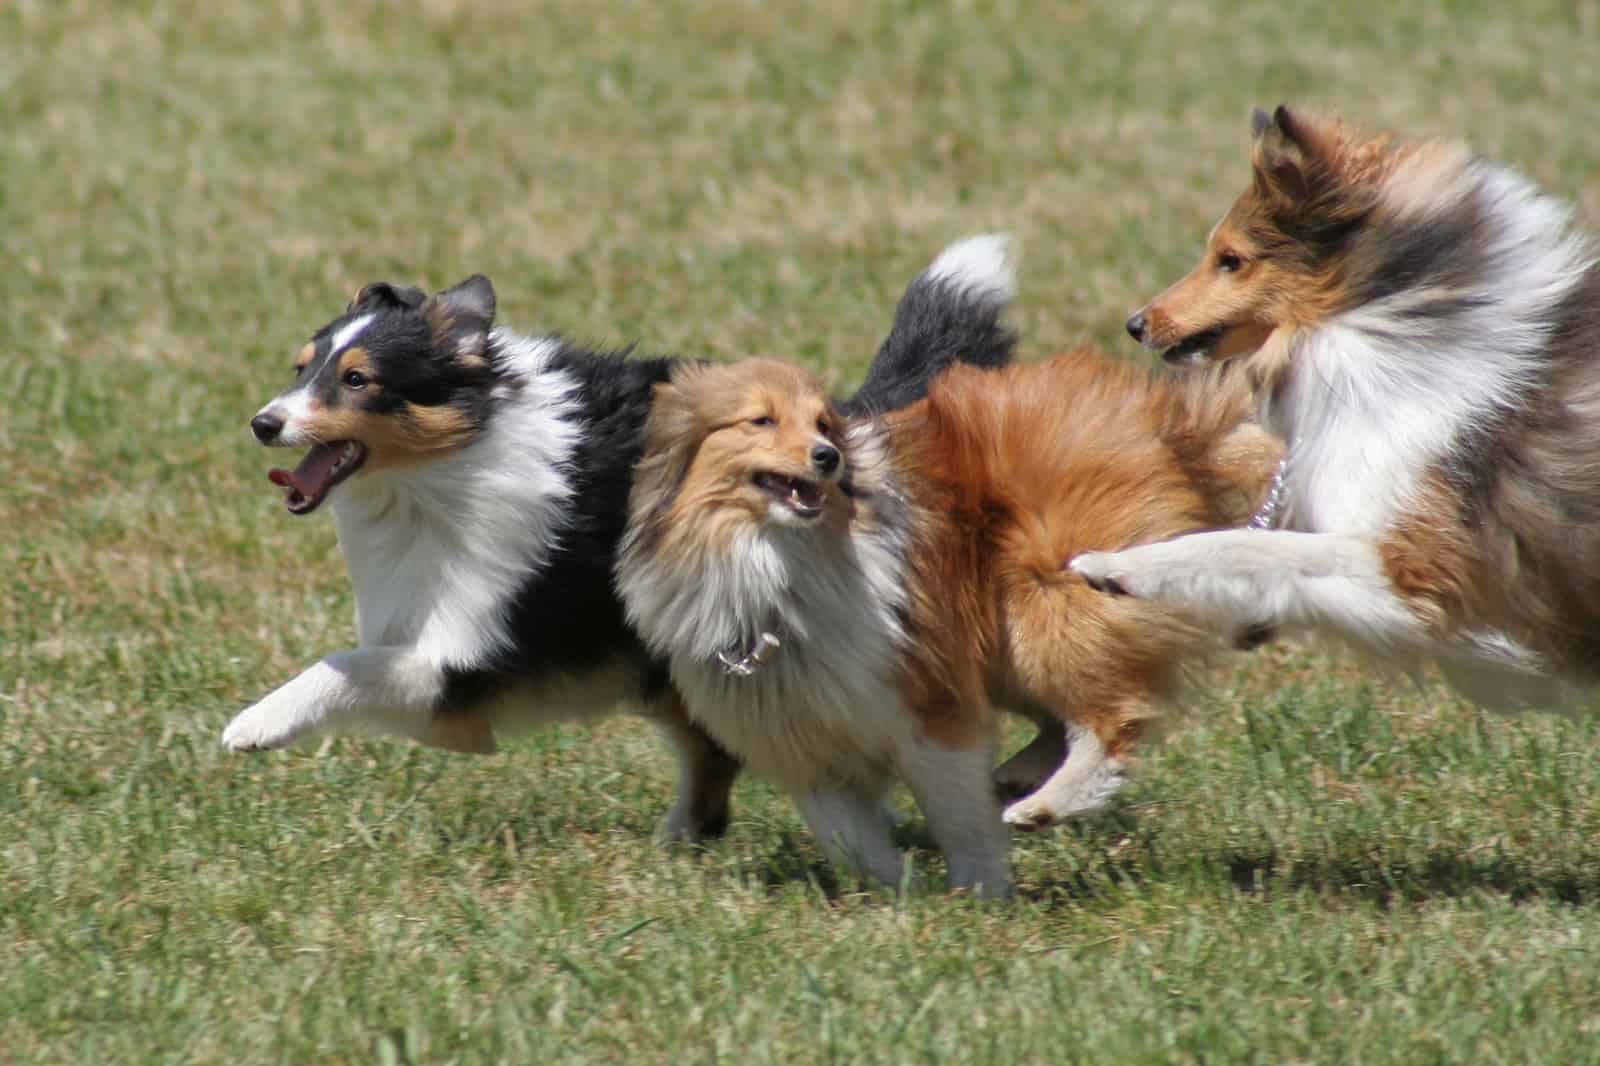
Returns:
point(844, 601)
point(478, 480)
point(1422, 327)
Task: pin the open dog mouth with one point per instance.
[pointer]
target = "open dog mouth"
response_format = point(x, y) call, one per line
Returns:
point(323, 467)
point(802, 497)
point(1193, 350)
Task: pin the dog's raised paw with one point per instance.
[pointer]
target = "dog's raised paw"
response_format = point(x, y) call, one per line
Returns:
point(1099, 571)
point(255, 730)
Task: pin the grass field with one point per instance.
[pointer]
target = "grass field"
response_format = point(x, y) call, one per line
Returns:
point(1319, 865)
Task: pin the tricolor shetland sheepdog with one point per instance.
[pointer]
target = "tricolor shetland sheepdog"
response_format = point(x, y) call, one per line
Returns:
point(478, 480)
point(842, 602)
point(1422, 327)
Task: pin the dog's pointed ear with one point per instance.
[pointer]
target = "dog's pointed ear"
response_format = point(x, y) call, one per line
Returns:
point(382, 294)
point(1285, 155)
point(462, 316)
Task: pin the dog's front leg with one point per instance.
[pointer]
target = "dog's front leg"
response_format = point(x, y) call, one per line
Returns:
point(387, 690)
point(953, 788)
point(850, 824)
point(706, 772)
point(1241, 580)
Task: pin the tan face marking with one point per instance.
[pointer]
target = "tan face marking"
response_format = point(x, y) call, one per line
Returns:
point(354, 359)
point(432, 429)
point(756, 418)
point(411, 433)
point(1236, 291)
point(1255, 277)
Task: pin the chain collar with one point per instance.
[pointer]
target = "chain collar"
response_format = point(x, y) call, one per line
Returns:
point(1267, 516)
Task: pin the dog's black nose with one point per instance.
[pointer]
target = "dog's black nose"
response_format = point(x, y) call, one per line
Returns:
point(266, 427)
point(825, 457)
point(1136, 326)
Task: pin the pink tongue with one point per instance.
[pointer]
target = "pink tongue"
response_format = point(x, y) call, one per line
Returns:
point(310, 478)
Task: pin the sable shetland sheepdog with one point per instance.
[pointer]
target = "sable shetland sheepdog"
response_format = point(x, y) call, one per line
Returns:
point(842, 602)
point(479, 479)
point(1422, 326)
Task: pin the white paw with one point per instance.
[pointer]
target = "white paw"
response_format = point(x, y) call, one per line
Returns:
point(1043, 811)
point(1030, 814)
point(262, 727)
point(1105, 572)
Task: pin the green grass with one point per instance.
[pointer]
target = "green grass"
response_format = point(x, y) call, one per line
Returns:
point(1319, 866)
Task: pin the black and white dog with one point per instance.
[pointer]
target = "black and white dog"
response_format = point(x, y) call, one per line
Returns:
point(479, 483)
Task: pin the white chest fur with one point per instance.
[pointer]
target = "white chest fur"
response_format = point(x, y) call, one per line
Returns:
point(438, 551)
point(825, 701)
point(1383, 391)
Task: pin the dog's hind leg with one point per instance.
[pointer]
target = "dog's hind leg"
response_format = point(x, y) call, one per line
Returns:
point(385, 690)
point(1238, 581)
point(1104, 668)
point(706, 772)
point(1083, 784)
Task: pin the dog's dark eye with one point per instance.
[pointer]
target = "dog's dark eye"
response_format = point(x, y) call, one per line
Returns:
point(1227, 262)
point(355, 379)
point(764, 420)
point(822, 426)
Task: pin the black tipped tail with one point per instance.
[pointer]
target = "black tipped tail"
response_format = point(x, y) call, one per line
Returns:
point(950, 314)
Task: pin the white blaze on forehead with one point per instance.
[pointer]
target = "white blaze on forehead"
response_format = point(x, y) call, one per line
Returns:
point(348, 333)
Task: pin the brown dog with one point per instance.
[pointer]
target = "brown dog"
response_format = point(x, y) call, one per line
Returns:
point(843, 603)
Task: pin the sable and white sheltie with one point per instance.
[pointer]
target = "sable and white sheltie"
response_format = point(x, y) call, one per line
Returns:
point(479, 479)
point(1422, 327)
point(846, 601)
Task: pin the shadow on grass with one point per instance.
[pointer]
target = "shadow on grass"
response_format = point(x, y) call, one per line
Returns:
point(1111, 857)
point(793, 861)
point(1115, 854)
point(796, 860)
point(1390, 880)
point(1115, 857)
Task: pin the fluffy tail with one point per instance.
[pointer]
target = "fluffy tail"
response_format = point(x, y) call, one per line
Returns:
point(950, 314)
